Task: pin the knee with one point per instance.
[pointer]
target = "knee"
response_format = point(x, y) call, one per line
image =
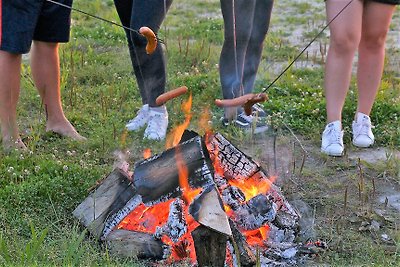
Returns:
point(344, 43)
point(373, 41)
point(137, 40)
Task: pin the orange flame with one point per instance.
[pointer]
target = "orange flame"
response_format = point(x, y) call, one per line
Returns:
point(252, 187)
point(257, 236)
point(147, 153)
point(175, 135)
point(204, 119)
point(188, 194)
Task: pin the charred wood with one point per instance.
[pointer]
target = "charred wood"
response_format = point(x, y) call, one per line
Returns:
point(112, 194)
point(247, 257)
point(134, 244)
point(157, 178)
point(210, 247)
point(115, 218)
point(235, 164)
point(255, 213)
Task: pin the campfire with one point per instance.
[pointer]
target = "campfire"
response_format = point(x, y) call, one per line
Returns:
point(202, 200)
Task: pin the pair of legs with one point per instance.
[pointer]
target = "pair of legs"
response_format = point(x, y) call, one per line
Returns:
point(246, 24)
point(150, 70)
point(46, 75)
point(363, 26)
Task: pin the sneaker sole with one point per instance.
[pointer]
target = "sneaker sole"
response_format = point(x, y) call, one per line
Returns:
point(332, 154)
point(361, 145)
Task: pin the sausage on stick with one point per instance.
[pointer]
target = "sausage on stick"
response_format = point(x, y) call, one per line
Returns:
point(247, 101)
point(162, 99)
point(151, 39)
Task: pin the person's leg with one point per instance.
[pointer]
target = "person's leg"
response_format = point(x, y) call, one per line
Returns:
point(150, 70)
point(124, 10)
point(344, 39)
point(237, 16)
point(371, 51)
point(262, 16)
point(10, 69)
point(345, 34)
point(376, 21)
point(45, 67)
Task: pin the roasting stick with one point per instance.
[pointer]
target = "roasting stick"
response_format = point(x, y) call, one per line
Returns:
point(248, 100)
point(164, 98)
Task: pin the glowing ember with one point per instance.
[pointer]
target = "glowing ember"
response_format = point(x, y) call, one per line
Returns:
point(257, 237)
point(147, 153)
point(146, 219)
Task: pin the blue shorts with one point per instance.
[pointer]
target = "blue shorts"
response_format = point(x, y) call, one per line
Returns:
point(22, 21)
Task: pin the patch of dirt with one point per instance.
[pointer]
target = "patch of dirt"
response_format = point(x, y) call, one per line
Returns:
point(353, 192)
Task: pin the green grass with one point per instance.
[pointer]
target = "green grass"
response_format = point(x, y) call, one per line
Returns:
point(39, 190)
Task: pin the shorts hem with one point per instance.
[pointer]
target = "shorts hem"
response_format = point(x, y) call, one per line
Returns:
point(14, 50)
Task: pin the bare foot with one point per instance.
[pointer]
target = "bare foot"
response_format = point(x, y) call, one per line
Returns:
point(10, 144)
point(67, 130)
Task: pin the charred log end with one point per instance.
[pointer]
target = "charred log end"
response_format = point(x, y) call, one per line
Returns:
point(132, 244)
point(210, 247)
point(112, 194)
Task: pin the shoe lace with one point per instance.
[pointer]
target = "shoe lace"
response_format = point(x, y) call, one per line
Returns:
point(334, 136)
point(246, 118)
point(363, 128)
point(141, 115)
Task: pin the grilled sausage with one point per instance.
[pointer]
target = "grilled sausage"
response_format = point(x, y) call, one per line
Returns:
point(247, 101)
point(151, 39)
point(162, 99)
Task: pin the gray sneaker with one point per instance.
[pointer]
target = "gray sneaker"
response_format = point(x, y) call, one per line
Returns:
point(250, 123)
point(258, 111)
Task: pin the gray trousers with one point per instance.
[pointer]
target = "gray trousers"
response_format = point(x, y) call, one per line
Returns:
point(246, 24)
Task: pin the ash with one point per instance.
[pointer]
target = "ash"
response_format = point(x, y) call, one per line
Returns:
point(176, 225)
point(112, 221)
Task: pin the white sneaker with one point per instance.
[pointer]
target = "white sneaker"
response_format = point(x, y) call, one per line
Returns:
point(157, 123)
point(141, 119)
point(362, 131)
point(332, 139)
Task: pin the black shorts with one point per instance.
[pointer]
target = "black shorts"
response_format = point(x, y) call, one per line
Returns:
point(390, 2)
point(22, 21)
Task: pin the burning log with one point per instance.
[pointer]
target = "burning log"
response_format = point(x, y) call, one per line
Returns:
point(210, 247)
point(207, 209)
point(247, 257)
point(234, 162)
point(112, 195)
point(134, 244)
point(157, 178)
point(113, 220)
point(176, 225)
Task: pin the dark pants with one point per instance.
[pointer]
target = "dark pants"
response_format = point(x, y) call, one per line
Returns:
point(149, 70)
point(246, 24)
